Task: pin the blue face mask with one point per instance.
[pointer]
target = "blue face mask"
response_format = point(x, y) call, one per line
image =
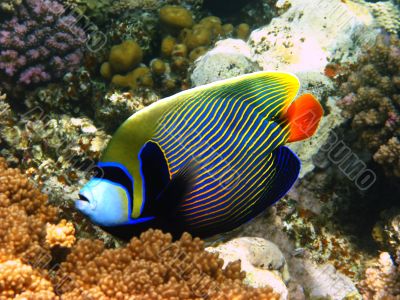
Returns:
point(105, 202)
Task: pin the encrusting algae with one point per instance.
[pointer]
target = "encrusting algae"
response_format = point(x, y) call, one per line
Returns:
point(149, 267)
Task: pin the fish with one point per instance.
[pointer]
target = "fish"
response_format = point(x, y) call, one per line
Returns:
point(205, 160)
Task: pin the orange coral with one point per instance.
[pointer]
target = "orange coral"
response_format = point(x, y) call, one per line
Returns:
point(23, 215)
point(62, 234)
point(21, 281)
point(152, 267)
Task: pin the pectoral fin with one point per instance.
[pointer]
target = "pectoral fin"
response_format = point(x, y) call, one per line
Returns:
point(176, 190)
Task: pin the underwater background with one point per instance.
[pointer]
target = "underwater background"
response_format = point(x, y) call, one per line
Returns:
point(72, 71)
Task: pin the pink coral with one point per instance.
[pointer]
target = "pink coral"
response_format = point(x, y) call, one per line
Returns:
point(371, 99)
point(39, 43)
point(382, 281)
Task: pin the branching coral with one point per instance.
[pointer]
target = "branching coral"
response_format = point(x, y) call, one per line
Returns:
point(152, 267)
point(41, 42)
point(372, 101)
point(382, 280)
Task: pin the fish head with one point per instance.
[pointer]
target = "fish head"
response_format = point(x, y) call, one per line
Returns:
point(106, 200)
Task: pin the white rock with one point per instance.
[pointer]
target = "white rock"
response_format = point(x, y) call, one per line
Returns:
point(263, 262)
point(304, 37)
point(324, 281)
point(229, 58)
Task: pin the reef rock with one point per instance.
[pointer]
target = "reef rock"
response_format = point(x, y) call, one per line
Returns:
point(229, 58)
point(263, 262)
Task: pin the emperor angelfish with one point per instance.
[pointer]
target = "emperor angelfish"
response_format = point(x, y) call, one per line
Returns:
point(205, 160)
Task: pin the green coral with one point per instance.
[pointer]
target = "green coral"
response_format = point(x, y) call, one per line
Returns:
point(8, 6)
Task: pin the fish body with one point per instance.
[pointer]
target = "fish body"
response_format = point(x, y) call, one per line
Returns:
point(205, 160)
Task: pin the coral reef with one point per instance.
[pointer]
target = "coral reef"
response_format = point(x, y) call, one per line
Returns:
point(117, 106)
point(39, 44)
point(372, 102)
point(125, 56)
point(59, 153)
point(387, 230)
point(101, 11)
point(24, 214)
point(6, 116)
point(140, 25)
point(387, 15)
point(70, 100)
point(382, 280)
point(152, 267)
point(21, 281)
point(176, 17)
point(97, 10)
point(183, 41)
point(53, 145)
point(76, 94)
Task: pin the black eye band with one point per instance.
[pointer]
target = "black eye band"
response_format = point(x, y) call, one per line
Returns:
point(116, 174)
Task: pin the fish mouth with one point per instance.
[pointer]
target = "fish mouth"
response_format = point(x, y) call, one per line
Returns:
point(83, 198)
point(82, 204)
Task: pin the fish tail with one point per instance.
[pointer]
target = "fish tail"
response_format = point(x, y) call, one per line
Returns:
point(303, 115)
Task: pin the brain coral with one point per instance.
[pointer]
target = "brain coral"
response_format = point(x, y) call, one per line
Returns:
point(372, 102)
point(39, 43)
